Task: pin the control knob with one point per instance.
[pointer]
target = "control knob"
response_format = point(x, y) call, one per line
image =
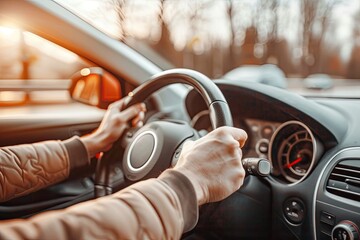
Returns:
point(345, 230)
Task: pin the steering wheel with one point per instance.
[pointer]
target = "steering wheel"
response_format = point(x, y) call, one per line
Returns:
point(145, 152)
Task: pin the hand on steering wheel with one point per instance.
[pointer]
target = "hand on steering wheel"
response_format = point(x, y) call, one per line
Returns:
point(213, 163)
point(147, 151)
point(113, 125)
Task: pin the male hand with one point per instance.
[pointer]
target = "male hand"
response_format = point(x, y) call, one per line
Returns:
point(112, 126)
point(213, 163)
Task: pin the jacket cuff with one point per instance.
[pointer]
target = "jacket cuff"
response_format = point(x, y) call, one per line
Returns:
point(187, 196)
point(78, 155)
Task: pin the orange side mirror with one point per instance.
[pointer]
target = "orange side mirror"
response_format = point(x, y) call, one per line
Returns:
point(95, 86)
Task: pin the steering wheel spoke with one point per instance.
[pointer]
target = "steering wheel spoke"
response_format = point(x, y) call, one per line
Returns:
point(109, 177)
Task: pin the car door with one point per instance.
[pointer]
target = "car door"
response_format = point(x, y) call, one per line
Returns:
point(36, 105)
point(36, 80)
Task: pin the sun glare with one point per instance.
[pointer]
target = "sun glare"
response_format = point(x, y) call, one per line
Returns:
point(8, 31)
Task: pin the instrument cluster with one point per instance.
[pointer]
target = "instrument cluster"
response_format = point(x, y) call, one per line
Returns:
point(291, 147)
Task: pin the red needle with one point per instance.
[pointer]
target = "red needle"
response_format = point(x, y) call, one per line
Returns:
point(293, 162)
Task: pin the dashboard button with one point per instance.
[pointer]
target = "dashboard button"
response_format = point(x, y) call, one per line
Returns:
point(294, 210)
point(327, 218)
point(262, 147)
point(267, 132)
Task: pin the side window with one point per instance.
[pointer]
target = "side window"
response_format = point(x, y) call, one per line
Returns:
point(33, 69)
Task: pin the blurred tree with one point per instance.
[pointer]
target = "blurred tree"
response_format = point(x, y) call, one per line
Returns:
point(165, 46)
point(216, 36)
point(233, 56)
point(308, 8)
point(353, 69)
point(317, 16)
point(119, 8)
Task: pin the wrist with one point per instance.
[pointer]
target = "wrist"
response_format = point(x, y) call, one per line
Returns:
point(79, 158)
point(186, 193)
point(94, 143)
point(199, 190)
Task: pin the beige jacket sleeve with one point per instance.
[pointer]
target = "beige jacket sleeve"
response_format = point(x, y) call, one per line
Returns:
point(161, 208)
point(30, 167)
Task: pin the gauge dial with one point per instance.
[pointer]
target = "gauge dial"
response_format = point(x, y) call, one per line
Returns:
point(292, 150)
point(295, 155)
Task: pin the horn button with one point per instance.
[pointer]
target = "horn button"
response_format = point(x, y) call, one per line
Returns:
point(141, 150)
point(151, 149)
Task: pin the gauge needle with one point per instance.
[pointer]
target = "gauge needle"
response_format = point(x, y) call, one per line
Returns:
point(293, 163)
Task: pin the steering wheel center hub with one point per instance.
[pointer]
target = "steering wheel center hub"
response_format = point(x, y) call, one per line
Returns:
point(151, 149)
point(141, 151)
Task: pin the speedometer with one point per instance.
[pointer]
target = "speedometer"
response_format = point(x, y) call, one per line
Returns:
point(296, 153)
point(292, 151)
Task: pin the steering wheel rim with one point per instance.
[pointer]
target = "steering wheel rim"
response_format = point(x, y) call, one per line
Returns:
point(107, 177)
point(220, 114)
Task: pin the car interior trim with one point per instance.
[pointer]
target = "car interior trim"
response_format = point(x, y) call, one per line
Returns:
point(317, 186)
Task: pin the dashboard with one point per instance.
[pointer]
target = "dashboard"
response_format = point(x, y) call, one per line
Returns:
point(291, 147)
point(314, 148)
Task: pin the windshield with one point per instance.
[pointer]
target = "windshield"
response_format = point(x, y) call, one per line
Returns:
point(311, 45)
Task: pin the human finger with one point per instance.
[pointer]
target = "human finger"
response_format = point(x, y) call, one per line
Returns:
point(238, 134)
point(126, 100)
point(120, 104)
point(138, 120)
point(131, 112)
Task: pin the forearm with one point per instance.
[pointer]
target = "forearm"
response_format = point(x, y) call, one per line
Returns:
point(153, 209)
point(30, 167)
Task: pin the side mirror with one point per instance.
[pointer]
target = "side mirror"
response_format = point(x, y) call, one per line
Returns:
point(95, 86)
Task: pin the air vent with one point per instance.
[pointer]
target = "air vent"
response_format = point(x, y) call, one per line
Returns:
point(344, 180)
